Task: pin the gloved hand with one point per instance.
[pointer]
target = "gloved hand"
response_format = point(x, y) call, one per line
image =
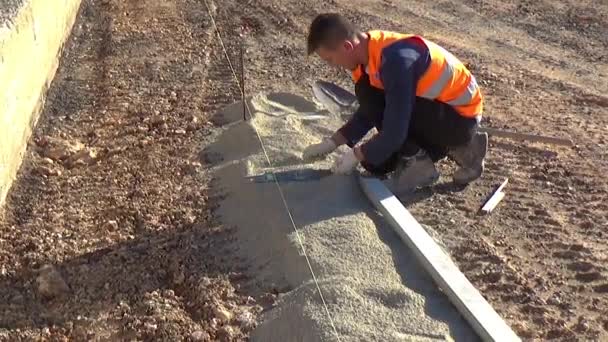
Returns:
point(319, 150)
point(346, 163)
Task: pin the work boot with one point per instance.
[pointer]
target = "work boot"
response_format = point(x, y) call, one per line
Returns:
point(470, 159)
point(413, 172)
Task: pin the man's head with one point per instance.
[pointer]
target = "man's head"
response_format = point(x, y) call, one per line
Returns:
point(334, 39)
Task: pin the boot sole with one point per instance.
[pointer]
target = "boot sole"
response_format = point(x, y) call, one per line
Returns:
point(482, 151)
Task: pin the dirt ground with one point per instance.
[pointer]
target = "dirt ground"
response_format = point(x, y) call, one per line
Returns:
point(114, 195)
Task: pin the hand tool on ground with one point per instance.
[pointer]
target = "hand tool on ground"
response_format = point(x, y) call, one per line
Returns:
point(298, 175)
point(335, 98)
point(342, 102)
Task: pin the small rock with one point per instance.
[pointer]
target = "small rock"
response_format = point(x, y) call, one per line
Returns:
point(582, 325)
point(190, 219)
point(200, 336)
point(226, 333)
point(50, 283)
point(214, 323)
point(179, 277)
point(48, 161)
point(222, 313)
point(47, 171)
point(554, 300)
point(180, 131)
point(246, 320)
point(206, 281)
point(523, 330)
point(150, 326)
point(87, 156)
point(111, 225)
point(58, 149)
point(157, 120)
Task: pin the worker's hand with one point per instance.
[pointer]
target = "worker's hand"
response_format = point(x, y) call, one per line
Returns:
point(319, 150)
point(346, 163)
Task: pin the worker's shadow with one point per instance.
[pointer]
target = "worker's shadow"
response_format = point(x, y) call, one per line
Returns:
point(427, 192)
point(339, 196)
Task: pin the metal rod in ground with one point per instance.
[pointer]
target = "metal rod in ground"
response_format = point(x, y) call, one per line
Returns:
point(243, 84)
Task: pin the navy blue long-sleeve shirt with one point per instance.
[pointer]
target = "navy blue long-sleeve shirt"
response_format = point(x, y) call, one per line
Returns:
point(402, 65)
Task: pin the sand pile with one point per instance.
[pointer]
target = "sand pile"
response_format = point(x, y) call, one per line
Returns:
point(374, 288)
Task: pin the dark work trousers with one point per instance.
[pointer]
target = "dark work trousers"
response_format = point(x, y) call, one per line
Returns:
point(434, 126)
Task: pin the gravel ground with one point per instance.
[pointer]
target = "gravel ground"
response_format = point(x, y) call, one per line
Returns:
point(113, 196)
point(9, 9)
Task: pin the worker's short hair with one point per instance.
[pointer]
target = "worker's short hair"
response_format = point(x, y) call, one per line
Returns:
point(327, 30)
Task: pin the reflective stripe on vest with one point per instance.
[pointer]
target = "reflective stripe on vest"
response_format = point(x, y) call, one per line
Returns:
point(446, 79)
point(467, 96)
point(446, 74)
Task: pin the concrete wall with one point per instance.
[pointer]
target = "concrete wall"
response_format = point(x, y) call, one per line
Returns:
point(32, 33)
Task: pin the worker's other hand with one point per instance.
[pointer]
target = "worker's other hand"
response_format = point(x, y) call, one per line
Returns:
point(319, 150)
point(346, 163)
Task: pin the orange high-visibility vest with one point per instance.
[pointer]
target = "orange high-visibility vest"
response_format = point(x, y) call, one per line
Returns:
point(446, 80)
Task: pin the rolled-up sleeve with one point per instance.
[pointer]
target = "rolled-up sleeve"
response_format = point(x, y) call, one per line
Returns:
point(400, 93)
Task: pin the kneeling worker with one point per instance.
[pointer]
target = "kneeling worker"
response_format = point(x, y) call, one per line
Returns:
point(423, 101)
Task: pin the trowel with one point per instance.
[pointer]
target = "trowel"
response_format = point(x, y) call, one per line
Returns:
point(342, 102)
point(335, 98)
